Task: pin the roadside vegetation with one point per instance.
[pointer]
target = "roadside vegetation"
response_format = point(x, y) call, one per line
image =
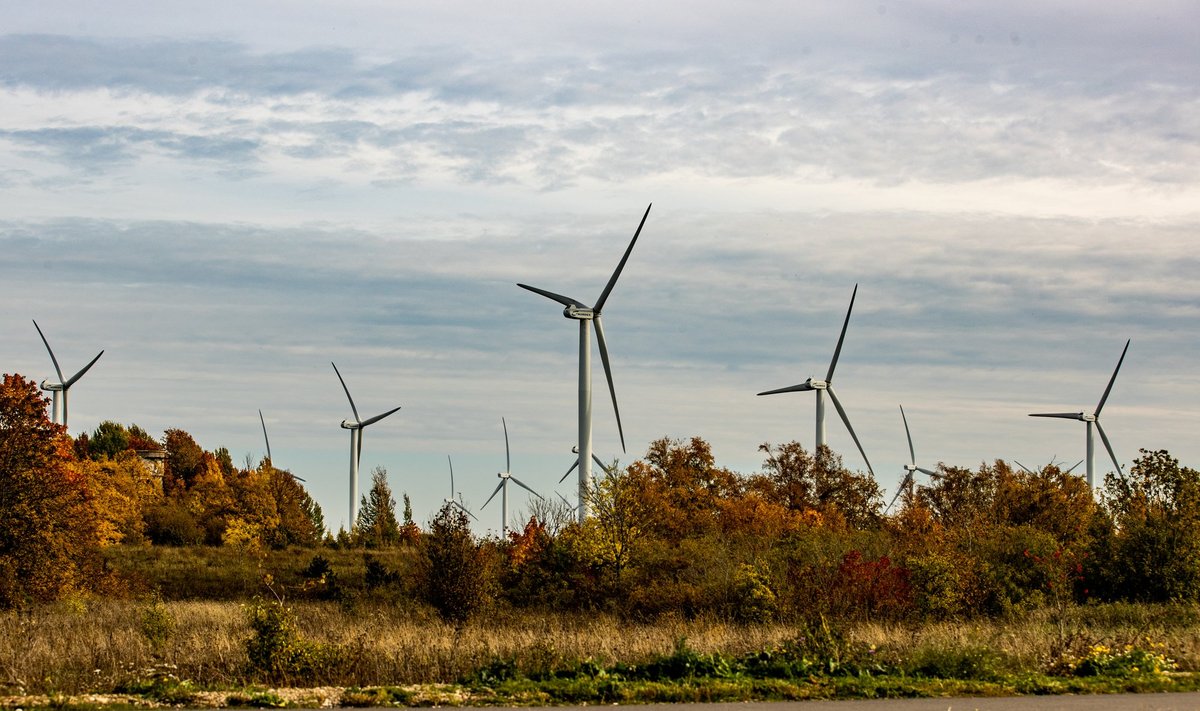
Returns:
point(208, 583)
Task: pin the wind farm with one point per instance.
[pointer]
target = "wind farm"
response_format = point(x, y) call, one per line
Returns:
point(205, 207)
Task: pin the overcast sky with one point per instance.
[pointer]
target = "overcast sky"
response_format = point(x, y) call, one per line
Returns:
point(227, 196)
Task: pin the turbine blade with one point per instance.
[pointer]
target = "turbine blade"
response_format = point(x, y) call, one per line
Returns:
point(1027, 469)
point(1108, 446)
point(603, 466)
point(1073, 466)
point(928, 472)
point(802, 387)
point(507, 456)
point(608, 375)
point(494, 492)
point(617, 273)
point(451, 463)
point(358, 453)
point(85, 369)
point(564, 499)
point(265, 437)
point(564, 300)
point(899, 490)
point(377, 418)
point(343, 382)
point(1060, 415)
point(573, 468)
point(295, 477)
point(911, 453)
point(1112, 380)
point(521, 484)
point(837, 353)
point(464, 509)
point(51, 352)
point(846, 420)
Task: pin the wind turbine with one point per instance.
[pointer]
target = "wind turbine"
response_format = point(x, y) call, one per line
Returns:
point(826, 385)
point(451, 500)
point(59, 390)
point(576, 310)
point(356, 431)
point(910, 468)
point(502, 487)
point(267, 439)
point(1093, 419)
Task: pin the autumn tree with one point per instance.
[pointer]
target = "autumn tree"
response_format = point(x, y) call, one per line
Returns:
point(805, 482)
point(48, 532)
point(376, 525)
point(185, 459)
point(122, 490)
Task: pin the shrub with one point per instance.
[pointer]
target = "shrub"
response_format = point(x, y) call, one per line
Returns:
point(276, 650)
point(171, 524)
point(158, 624)
point(457, 576)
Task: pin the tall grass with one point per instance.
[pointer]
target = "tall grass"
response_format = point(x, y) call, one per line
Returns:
point(98, 645)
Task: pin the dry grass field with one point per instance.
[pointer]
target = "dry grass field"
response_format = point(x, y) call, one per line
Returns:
point(94, 645)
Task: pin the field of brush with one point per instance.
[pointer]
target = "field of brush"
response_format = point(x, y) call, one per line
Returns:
point(250, 646)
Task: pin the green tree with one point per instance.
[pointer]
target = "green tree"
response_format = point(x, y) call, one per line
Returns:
point(108, 440)
point(1153, 547)
point(48, 530)
point(376, 525)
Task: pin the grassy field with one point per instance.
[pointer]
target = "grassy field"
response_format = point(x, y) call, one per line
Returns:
point(176, 649)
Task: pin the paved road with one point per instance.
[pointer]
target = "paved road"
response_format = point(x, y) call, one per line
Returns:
point(1098, 702)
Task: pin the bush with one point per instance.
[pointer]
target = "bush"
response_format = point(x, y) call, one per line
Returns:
point(276, 650)
point(457, 576)
point(171, 524)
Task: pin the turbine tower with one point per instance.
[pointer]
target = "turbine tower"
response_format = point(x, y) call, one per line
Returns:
point(58, 408)
point(502, 487)
point(356, 431)
point(826, 385)
point(576, 310)
point(451, 501)
point(1090, 420)
point(910, 468)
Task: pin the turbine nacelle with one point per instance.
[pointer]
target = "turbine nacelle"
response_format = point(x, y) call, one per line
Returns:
point(579, 313)
point(817, 384)
point(52, 387)
point(348, 425)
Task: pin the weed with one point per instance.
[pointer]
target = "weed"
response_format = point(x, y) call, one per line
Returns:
point(158, 624)
point(257, 700)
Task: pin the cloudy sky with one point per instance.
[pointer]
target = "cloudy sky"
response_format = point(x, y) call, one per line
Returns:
point(227, 196)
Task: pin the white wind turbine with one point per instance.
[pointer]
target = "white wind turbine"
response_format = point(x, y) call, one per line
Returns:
point(267, 440)
point(576, 310)
point(356, 431)
point(826, 385)
point(910, 468)
point(452, 501)
point(58, 408)
point(1090, 420)
point(502, 487)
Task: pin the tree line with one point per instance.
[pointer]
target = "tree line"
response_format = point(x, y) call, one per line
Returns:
point(671, 533)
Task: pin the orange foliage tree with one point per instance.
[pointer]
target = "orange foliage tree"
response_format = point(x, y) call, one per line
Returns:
point(48, 532)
